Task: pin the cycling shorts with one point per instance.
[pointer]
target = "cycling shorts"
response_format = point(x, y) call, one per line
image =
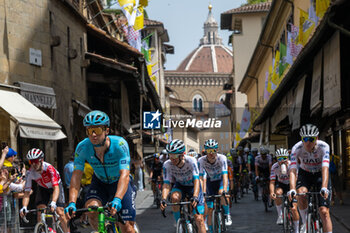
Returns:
point(284, 187)
point(43, 196)
point(106, 192)
point(187, 191)
point(308, 179)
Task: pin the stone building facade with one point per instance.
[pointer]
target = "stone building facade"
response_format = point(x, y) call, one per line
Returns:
point(199, 80)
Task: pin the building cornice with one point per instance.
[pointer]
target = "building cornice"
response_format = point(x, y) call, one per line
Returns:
point(184, 79)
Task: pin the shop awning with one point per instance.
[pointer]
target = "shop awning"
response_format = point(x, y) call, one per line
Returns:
point(32, 122)
point(38, 95)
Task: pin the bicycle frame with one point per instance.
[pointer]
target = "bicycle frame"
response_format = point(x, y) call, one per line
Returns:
point(219, 210)
point(43, 216)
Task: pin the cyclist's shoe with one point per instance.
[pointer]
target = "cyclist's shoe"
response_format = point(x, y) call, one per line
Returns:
point(279, 220)
point(303, 228)
point(228, 220)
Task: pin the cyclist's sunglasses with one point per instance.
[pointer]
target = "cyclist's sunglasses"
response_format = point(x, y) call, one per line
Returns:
point(210, 151)
point(283, 158)
point(174, 156)
point(33, 161)
point(97, 130)
point(308, 139)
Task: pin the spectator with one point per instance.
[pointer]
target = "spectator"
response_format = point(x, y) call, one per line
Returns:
point(336, 179)
point(3, 156)
point(68, 171)
point(138, 173)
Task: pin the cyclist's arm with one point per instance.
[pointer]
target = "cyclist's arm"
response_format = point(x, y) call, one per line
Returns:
point(165, 191)
point(256, 170)
point(201, 179)
point(25, 200)
point(240, 169)
point(272, 186)
point(151, 174)
point(122, 183)
point(56, 193)
point(249, 166)
point(292, 178)
point(325, 177)
point(75, 185)
point(196, 187)
point(225, 181)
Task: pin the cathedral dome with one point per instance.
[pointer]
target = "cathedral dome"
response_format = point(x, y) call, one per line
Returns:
point(211, 55)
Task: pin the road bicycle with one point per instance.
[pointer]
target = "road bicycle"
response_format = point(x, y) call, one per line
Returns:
point(235, 186)
point(218, 214)
point(158, 192)
point(245, 181)
point(42, 226)
point(186, 222)
point(314, 221)
point(287, 214)
point(106, 222)
point(264, 183)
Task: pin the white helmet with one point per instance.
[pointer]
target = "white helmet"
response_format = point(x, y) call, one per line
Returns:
point(176, 146)
point(246, 149)
point(282, 153)
point(35, 154)
point(211, 144)
point(309, 130)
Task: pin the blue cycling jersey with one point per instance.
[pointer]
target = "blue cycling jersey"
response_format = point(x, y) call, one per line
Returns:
point(116, 158)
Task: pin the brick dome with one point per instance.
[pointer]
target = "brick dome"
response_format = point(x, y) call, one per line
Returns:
point(211, 55)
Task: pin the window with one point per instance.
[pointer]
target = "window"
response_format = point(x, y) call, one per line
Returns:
point(226, 135)
point(237, 28)
point(221, 135)
point(197, 103)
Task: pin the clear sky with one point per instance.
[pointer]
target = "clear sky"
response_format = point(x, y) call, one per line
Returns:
point(184, 20)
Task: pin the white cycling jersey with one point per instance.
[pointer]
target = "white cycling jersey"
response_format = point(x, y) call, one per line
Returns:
point(310, 162)
point(48, 178)
point(263, 163)
point(213, 171)
point(184, 175)
point(276, 173)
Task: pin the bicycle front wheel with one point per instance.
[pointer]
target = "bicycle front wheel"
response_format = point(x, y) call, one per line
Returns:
point(181, 226)
point(40, 228)
point(136, 228)
point(216, 222)
point(310, 224)
point(287, 220)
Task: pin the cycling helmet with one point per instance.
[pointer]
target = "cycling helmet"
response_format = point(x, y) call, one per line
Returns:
point(282, 153)
point(35, 154)
point(211, 144)
point(263, 150)
point(309, 130)
point(191, 150)
point(254, 149)
point(156, 155)
point(96, 118)
point(192, 154)
point(246, 149)
point(176, 146)
point(164, 152)
point(233, 151)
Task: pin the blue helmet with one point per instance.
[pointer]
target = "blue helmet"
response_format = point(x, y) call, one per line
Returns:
point(96, 118)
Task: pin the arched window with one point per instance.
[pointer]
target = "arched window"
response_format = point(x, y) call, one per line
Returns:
point(197, 103)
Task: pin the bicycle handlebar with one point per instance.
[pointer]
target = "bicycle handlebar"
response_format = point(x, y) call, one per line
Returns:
point(179, 203)
point(98, 209)
point(37, 210)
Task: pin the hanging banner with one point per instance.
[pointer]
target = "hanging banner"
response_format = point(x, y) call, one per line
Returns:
point(331, 78)
point(315, 101)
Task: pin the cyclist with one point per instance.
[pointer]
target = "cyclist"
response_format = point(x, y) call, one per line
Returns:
point(230, 172)
point(110, 158)
point(192, 153)
point(251, 170)
point(163, 156)
point(279, 185)
point(48, 183)
point(214, 165)
point(263, 163)
point(237, 168)
point(313, 156)
point(182, 170)
point(155, 173)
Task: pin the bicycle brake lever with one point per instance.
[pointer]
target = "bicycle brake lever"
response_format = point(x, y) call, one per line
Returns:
point(25, 219)
point(163, 213)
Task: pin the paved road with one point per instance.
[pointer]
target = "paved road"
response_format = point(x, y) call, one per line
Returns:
point(248, 216)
